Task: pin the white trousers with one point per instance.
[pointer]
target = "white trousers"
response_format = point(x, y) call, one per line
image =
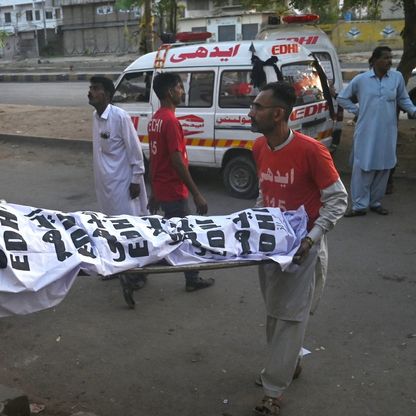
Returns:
point(285, 340)
point(289, 298)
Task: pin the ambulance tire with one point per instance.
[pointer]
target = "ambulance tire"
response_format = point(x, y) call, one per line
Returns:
point(240, 178)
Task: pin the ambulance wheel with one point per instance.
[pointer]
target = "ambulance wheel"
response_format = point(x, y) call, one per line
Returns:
point(240, 178)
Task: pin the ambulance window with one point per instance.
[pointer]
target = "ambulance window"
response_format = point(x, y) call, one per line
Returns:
point(324, 59)
point(199, 88)
point(134, 88)
point(236, 91)
point(305, 79)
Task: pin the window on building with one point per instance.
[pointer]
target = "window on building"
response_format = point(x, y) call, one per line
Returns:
point(29, 15)
point(249, 30)
point(48, 14)
point(37, 14)
point(199, 29)
point(226, 33)
point(199, 87)
point(7, 17)
point(134, 88)
point(197, 5)
point(57, 13)
point(104, 10)
point(236, 90)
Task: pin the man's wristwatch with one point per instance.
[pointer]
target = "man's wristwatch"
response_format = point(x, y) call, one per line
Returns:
point(309, 241)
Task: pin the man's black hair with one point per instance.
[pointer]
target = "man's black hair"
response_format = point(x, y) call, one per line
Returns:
point(283, 94)
point(377, 53)
point(107, 84)
point(163, 82)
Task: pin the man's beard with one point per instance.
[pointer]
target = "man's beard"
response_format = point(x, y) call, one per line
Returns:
point(254, 127)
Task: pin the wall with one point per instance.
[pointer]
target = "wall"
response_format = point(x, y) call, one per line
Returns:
point(86, 32)
point(363, 36)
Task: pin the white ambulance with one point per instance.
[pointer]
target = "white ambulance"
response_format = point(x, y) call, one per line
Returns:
point(302, 29)
point(221, 80)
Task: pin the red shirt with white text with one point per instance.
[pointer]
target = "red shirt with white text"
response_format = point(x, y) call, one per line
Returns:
point(166, 137)
point(294, 174)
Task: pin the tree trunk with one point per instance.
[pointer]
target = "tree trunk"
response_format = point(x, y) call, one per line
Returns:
point(408, 61)
point(149, 25)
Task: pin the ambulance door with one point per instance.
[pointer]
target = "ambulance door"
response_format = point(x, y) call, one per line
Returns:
point(233, 137)
point(133, 91)
point(311, 114)
point(196, 114)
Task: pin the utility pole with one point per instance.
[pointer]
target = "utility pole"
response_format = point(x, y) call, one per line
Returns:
point(44, 22)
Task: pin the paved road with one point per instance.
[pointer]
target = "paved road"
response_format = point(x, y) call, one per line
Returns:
point(61, 94)
point(197, 354)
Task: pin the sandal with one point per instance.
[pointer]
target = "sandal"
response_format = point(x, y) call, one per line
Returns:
point(270, 406)
point(379, 210)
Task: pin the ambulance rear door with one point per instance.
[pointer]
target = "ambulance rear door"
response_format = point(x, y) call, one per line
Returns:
point(311, 113)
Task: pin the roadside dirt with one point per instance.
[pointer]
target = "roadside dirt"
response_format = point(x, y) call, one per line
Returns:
point(51, 122)
point(75, 123)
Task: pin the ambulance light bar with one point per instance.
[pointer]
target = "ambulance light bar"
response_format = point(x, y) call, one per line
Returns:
point(300, 18)
point(193, 36)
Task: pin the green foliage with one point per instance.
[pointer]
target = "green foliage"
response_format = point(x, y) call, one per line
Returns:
point(128, 4)
point(373, 7)
point(327, 9)
point(3, 38)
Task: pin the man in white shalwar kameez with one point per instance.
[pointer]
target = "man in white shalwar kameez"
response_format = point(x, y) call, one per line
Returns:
point(118, 164)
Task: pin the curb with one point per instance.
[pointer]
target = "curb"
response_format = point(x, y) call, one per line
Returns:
point(78, 144)
point(85, 76)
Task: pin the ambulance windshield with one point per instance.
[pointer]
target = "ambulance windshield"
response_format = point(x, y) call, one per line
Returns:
point(134, 87)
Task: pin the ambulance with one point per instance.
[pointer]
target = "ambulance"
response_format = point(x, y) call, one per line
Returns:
point(220, 81)
point(303, 30)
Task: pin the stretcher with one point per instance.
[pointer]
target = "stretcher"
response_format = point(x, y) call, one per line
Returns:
point(163, 267)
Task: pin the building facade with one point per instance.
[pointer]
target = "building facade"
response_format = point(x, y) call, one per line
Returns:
point(30, 28)
point(227, 22)
point(91, 27)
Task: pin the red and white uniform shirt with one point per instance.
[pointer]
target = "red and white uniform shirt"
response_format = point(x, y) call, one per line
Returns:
point(294, 173)
point(165, 138)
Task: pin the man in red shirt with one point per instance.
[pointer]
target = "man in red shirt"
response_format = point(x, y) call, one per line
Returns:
point(170, 179)
point(293, 170)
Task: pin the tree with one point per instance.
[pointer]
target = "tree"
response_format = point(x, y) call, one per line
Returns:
point(328, 8)
point(408, 60)
point(164, 10)
point(3, 38)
